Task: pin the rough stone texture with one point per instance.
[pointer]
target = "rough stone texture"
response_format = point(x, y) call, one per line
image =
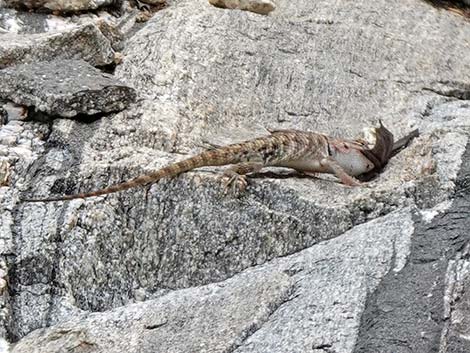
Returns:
point(12, 111)
point(210, 76)
point(243, 86)
point(84, 42)
point(64, 88)
point(262, 7)
point(324, 288)
point(457, 300)
point(425, 307)
point(59, 5)
point(114, 28)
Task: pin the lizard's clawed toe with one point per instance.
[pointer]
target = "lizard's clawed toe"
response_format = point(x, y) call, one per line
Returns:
point(234, 184)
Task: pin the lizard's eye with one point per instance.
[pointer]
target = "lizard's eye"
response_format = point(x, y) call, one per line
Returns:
point(345, 146)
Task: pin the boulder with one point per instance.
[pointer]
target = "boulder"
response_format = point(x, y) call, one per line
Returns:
point(66, 88)
point(84, 42)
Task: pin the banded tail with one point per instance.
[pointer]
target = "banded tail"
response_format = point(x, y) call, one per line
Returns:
point(218, 157)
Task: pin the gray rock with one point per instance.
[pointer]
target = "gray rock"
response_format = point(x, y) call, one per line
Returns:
point(12, 21)
point(4, 181)
point(64, 88)
point(424, 307)
point(84, 42)
point(207, 75)
point(11, 111)
point(115, 29)
point(457, 303)
point(59, 5)
point(296, 304)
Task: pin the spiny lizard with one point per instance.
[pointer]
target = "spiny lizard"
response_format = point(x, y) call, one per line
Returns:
point(307, 152)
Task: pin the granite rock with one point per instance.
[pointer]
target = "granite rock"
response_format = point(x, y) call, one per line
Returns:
point(296, 304)
point(82, 42)
point(209, 76)
point(64, 88)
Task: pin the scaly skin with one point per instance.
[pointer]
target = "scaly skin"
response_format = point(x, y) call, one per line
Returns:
point(308, 152)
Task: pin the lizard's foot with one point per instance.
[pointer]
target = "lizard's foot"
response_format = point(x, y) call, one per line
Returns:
point(234, 178)
point(350, 181)
point(234, 183)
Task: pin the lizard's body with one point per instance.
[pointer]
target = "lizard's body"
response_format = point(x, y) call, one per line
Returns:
point(308, 152)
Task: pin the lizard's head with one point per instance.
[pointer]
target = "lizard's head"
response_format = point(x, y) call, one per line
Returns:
point(379, 146)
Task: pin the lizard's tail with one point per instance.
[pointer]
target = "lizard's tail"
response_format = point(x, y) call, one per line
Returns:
point(217, 157)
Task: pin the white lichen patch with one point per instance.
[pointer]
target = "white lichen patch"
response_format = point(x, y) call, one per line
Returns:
point(429, 214)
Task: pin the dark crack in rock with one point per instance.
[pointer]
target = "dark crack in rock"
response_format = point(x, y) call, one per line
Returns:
point(3, 116)
point(64, 88)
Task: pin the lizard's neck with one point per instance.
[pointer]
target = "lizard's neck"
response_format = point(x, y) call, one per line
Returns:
point(349, 156)
point(356, 157)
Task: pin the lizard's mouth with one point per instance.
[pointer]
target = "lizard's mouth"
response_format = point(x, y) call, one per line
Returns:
point(382, 150)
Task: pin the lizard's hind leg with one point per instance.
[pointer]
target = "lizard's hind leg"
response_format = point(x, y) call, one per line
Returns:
point(234, 178)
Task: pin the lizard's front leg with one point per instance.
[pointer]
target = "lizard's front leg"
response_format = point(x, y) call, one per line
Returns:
point(340, 173)
point(234, 177)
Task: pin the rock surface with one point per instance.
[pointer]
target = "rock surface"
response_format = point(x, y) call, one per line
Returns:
point(294, 264)
point(424, 307)
point(84, 42)
point(64, 88)
point(225, 317)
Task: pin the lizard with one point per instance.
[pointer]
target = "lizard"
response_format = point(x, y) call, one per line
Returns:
point(306, 152)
